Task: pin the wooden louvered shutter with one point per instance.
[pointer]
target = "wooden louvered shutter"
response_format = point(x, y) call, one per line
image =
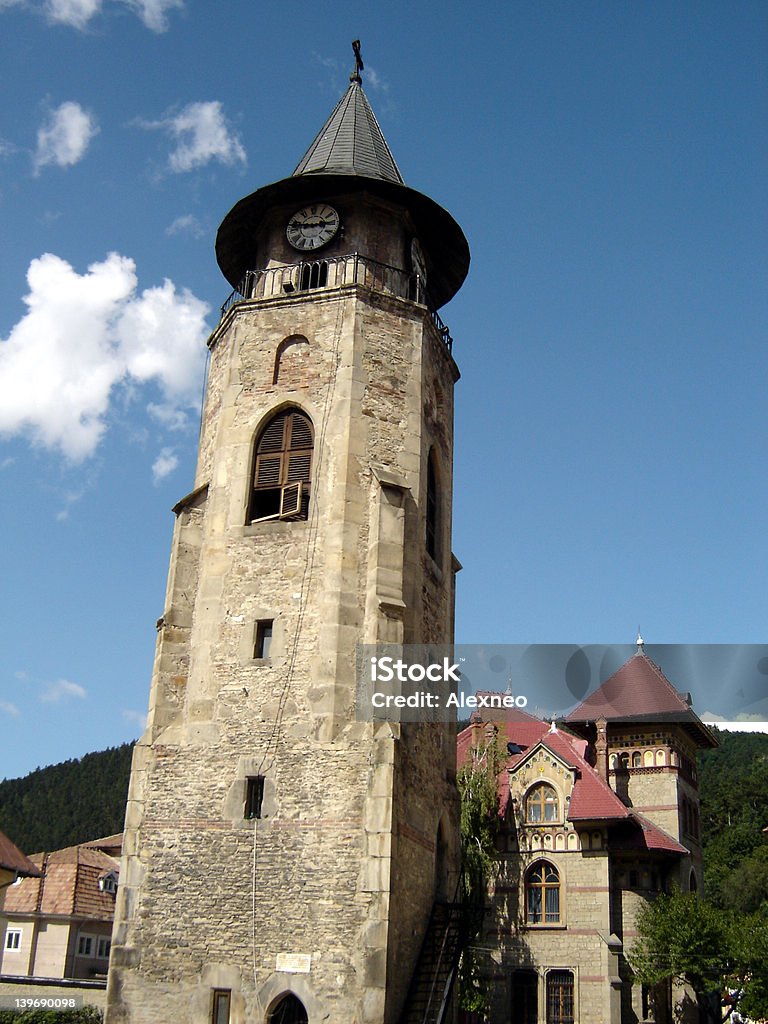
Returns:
point(283, 467)
point(269, 453)
point(299, 462)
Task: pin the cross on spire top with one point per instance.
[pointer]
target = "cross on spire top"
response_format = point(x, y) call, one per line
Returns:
point(359, 66)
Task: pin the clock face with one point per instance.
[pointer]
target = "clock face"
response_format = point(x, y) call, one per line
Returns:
point(312, 227)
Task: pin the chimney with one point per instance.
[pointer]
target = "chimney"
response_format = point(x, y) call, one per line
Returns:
point(601, 749)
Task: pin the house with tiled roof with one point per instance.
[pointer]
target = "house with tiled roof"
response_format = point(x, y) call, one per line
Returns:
point(598, 814)
point(13, 865)
point(58, 921)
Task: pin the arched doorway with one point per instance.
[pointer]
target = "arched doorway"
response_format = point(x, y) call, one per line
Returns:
point(288, 1010)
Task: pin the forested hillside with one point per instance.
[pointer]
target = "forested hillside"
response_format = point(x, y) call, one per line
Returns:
point(67, 803)
point(734, 811)
point(84, 799)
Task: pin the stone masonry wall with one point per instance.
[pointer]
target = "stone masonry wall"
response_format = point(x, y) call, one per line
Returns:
point(208, 899)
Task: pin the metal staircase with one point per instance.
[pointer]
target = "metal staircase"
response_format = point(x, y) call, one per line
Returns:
point(430, 991)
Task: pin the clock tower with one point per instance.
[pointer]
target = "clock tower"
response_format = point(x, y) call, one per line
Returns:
point(285, 859)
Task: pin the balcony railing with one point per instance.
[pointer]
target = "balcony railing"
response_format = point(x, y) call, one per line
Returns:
point(336, 272)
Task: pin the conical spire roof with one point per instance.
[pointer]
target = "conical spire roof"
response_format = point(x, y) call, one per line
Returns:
point(349, 156)
point(351, 142)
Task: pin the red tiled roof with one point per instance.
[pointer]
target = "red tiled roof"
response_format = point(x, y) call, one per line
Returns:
point(592, 799)
point(12, 859)
point(639, 691)
point(69, 886)
point(647, 836)
point(515, 726)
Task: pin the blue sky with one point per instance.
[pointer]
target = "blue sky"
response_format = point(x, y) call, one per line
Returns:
point(607, 162)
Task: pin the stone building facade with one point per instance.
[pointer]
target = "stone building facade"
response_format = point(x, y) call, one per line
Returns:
point(599, 815)
point(282, 857)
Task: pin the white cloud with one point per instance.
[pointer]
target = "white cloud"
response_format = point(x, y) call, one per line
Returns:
point(203, 135)
point(65, 137)
point(154, 12)
point(187, 224)
point(135, 717)
point(375, 80)
point(164, 464)
point(169, 416)
point(61, 690)
point(84, 335)
point(69, 499)
point(76, 13)
point(9, 709)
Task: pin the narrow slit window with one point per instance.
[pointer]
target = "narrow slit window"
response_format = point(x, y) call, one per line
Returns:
point(433, 510)
point(254, 796)
point(263, 644)
point(222, 999)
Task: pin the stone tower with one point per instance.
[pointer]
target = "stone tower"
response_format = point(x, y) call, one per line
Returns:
point(282, 858)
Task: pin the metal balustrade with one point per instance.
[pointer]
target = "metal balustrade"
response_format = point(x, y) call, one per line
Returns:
point(335, 272)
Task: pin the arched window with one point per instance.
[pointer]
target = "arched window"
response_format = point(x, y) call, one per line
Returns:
point(289, 1010)
point(282, 468)
point(636, 759)
point(542, 894)
point(560, 1008)
point(433, 509)
point(541, 805)
point(693, 885)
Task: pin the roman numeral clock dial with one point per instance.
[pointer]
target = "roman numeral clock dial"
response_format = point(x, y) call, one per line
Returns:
point(312, 227)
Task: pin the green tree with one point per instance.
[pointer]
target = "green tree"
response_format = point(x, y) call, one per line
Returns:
point(477, 780)
point(745, 889)
point(686, 939)
point(750, 945)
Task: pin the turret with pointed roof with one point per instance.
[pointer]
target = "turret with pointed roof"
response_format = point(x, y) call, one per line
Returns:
point(349, 157)
point(639, 692)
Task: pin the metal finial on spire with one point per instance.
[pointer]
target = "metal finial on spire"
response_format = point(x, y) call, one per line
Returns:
point(359, 66)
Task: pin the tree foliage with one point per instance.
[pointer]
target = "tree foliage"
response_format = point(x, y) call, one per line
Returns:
point(85, 1015)
point(733, 782)
point(479, 825)
point(67, 803)
point(686, 939)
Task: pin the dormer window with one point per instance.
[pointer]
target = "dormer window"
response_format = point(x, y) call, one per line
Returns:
point(541, 805)
point(108, 883)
